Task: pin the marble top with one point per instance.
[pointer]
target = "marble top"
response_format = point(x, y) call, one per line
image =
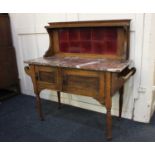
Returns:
point(82, 63)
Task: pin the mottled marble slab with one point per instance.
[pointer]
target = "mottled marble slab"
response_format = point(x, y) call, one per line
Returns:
point(82, 63)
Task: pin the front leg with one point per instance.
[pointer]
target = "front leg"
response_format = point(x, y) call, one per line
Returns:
point(108, 124)
point(121, 93)
point(59, 99)
point(39, 106)
point(30, 70)
point(108, 105)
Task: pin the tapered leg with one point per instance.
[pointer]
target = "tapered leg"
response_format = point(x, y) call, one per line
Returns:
point(108, 107)
point(39, 107)
point(59, 99)
point(108, 125)
point(121, 92)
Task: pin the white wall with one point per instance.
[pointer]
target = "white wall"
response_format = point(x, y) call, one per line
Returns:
point(31, 41)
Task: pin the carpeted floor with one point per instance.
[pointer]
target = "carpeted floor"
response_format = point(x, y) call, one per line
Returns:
point(19, 123)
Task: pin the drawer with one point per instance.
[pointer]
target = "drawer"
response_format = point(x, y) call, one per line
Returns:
point(80, 82)
point(47, 77)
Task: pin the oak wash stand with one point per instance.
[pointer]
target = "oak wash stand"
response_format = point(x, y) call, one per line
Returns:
point(87, 58)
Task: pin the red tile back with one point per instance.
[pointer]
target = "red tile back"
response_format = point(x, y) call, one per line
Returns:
point(88, 40)
point(74, 47)
point(63, 35)
point(86, 46)
point(85, 34)
point(74, 34)
point(98, 47)
point(111, 47)
point(64, 46)
point(97, 33)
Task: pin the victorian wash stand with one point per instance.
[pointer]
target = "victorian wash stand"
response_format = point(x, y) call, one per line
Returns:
point(89, 58)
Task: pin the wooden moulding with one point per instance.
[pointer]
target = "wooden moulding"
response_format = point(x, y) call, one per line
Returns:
point(97, 23)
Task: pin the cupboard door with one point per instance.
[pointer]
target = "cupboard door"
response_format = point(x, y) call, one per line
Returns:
point(80, 82)
point(47, 77)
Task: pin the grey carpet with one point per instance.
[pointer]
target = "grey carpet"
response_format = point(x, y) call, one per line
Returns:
point(19, 123)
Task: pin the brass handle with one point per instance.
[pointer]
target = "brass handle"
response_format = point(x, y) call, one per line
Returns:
point(130, 73)
point(27, 70)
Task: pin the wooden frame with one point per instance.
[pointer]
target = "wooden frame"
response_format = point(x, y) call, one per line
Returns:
point(99, 84)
